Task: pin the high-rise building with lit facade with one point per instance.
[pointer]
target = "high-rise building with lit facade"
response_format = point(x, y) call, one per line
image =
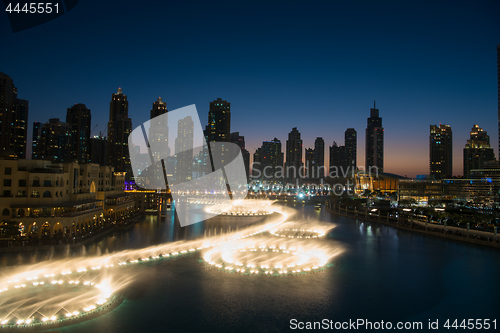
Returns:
point(35, 145)
point(119, 128)
point(219, 121)
point(13, 119)
point(310, 169)
point(440, 151)
point(343, 159)
point(78, 118)
point(374, 142)
point(477, 151)
point(256, 165)
point(294, 163)
point(159, 108)
point(158, 130)
point(318, 166)
point(239, 140)
point(337, 160)
point(351, 147)
point(269, 158)
point(56, 142)
point(184, 149)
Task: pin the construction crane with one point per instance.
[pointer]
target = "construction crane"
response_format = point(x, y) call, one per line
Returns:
point(93, 129)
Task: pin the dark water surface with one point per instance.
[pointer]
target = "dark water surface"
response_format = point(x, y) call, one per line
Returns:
point(383, 274)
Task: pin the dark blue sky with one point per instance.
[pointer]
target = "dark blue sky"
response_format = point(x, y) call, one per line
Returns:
point(314, 65)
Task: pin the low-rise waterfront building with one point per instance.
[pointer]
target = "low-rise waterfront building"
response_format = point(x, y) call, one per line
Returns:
point(43, 198)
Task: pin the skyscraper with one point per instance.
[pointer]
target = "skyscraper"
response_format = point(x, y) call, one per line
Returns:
point(238, 139)
point(119, 128)
point(374, 142)
point(56, 142)
point(319, 159)
point(159, 108)
point(13, 119)
point(338, 164)
point(477, 150)
point(310, 170)
point(98, 149)
point(78, 118)
point(270, 158)
point(441, 151)
point(351, 147)
point(343, 159)
point(35, 146)
point(219, 121)
point(256, 165)
point(184, 149)
point(158, 130)
point(293, 155)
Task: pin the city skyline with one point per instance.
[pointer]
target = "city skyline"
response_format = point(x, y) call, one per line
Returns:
point(159, 107)
point(322, 85)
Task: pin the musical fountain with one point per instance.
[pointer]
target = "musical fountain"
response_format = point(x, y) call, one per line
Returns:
point(62, 292)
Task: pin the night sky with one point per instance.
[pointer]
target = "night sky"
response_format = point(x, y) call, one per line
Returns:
point(314, 65)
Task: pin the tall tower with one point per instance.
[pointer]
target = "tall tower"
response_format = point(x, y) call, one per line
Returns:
point(293, 155)
point(78, 118)
point(238, 139)
point(184, 149)
point(219, 121)
point(374, 141)
point(477, 150)
point(35, 146)
point(119, 128)
point(351, 148)
point(310, 169)
point(56, 142)
point(319, 159)
point(158, 130)
point(271, 160)
point(13, 119)
point(441, 151)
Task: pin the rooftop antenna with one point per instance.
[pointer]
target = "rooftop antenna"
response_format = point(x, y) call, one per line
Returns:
point(374, 104)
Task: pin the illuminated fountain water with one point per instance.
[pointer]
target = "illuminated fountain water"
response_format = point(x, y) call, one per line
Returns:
point(299, 252)
point(242, 208)
point(62, 292)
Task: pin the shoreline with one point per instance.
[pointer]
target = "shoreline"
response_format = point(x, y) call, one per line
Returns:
point(469, 240)
point(79, 243)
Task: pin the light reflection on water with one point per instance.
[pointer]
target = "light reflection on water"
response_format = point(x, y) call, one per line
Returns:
point(383, 274)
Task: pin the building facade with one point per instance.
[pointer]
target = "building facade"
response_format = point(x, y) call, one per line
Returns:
point(239, 140)
point(46, 199)
point(219, 121)
point(440, 151)
point(318, 167)
point(119, 128)
point(374, 148)
point(36, 136)
point(56, 142)
point(184, 150)
point(351, 147)
point(294, 163)
point(78, 118)
point(13, 119)
point(343, 159)
point(477, 151)
point(268, 159)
